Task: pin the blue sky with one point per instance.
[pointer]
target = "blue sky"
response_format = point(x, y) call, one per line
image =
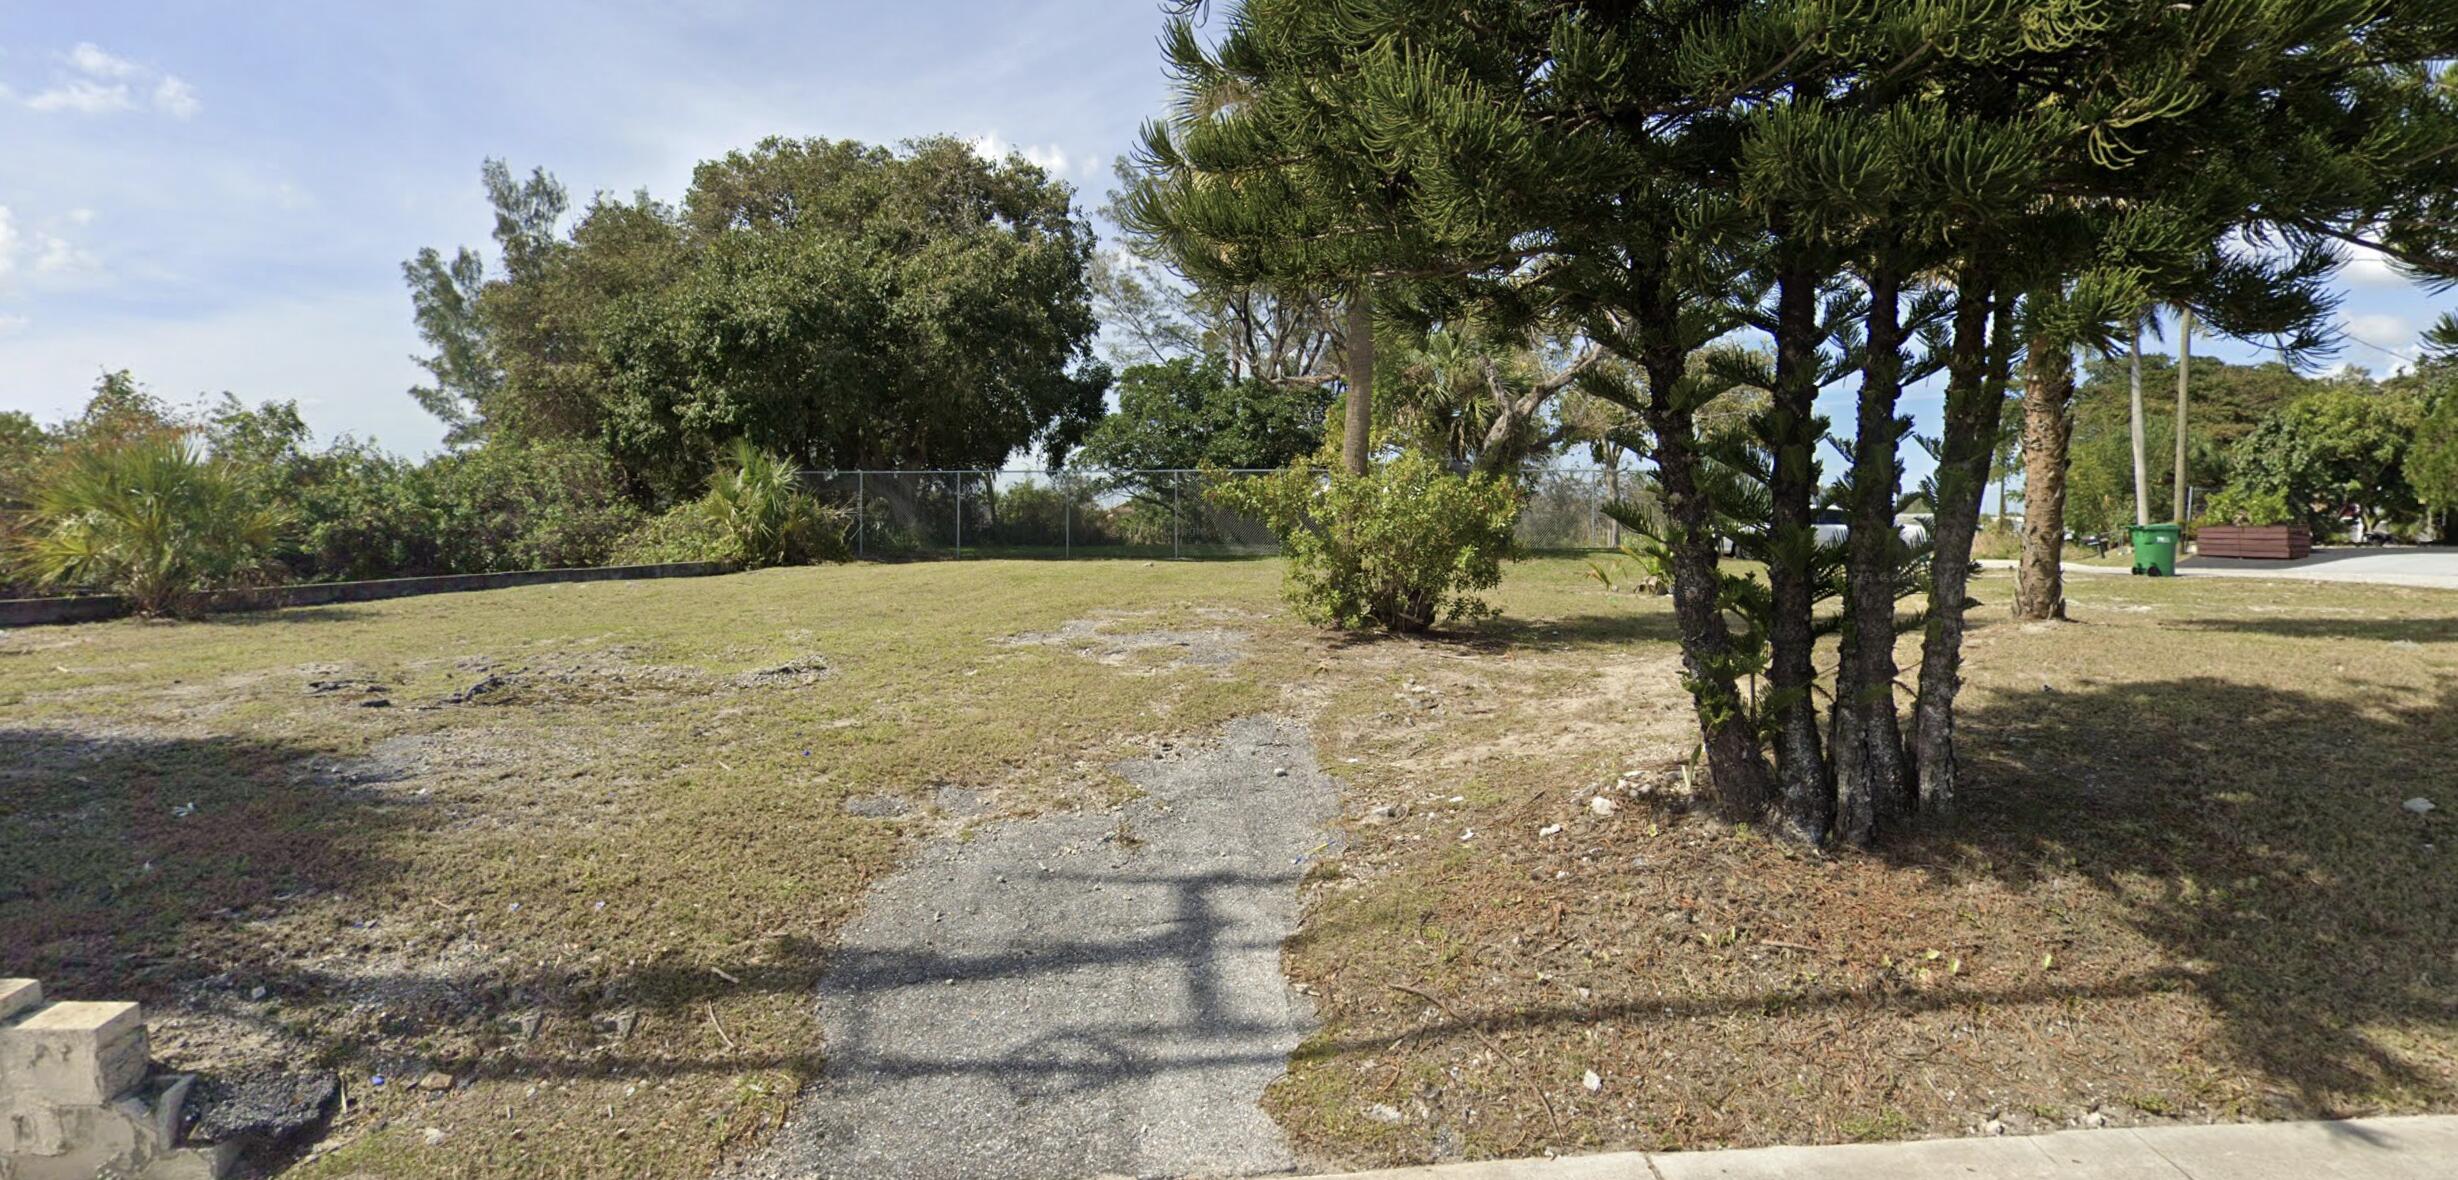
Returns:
point(219, 195)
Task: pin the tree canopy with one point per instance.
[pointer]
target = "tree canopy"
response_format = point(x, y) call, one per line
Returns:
point(1877, 190)
point(841, 304)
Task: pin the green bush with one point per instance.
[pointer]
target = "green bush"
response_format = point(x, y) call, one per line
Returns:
point(1035, 514)
point(2241, 503)
point(754, 514)
point(510, 506)
point(146, 516)
point(1404, 547)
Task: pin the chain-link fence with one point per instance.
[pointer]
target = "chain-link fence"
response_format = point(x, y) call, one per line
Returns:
point(1138, 513)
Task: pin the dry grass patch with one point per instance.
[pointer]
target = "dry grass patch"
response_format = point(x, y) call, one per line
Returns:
point(2183, 888)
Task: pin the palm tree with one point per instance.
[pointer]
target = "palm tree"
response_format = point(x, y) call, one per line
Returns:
point(148, 517)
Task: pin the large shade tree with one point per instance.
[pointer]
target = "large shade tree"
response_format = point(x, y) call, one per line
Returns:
point(841, 304)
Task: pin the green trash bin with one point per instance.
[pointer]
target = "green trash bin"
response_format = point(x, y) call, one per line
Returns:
point(2155, 548)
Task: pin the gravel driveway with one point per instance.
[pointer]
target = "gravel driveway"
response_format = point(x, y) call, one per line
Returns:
point(1078, 995)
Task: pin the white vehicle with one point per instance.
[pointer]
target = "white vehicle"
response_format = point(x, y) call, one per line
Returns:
point(1834, 527)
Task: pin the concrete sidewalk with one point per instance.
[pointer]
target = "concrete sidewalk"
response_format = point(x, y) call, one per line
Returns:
point(2414, 1148)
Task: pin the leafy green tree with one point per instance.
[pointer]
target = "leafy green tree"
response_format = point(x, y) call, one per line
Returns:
point(1273, 172)
point(24, 447)
point(1483, 400)
point(2341, 446)
point(2432, 463)
point(444, 299)
point(837, 304)
point(1187, 413)
point(1156, 311)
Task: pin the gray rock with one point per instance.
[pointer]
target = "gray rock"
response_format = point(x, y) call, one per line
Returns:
point(2418, 806)
point(260, 1111)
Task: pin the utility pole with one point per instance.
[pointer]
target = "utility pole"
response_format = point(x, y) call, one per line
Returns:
point(2184, 363)
point(2142, 462)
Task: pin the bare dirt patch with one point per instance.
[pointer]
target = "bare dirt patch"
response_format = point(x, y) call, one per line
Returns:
point(1108, 639)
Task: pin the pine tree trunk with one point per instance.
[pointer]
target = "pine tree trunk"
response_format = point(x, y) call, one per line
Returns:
point(1736, 763)
point(1357, 431)
point(1871, 787)
point(1806, 806)
point(1979, 359)
point(2048, 429)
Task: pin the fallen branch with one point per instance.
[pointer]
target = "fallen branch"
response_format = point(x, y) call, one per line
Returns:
point(712, 1019)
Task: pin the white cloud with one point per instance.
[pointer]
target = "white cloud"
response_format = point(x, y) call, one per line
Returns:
point(51, 256)
point(2381, 331)
point(83, 96)
point(89, 58)
point(62, 257)
point(1050, 158)
point(2367, 267)
point(2391, 340)
point(81, 216)
point(175, 98)
point(10, 324)
point(98, 82)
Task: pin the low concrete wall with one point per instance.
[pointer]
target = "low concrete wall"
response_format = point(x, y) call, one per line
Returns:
point(35, 612)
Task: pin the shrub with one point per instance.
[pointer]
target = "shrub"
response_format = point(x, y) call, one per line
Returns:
point(755, 514)
point(1036, 514)
point(511, 506)
point(2241, 503)
point(148, 517)
point(1403, 547)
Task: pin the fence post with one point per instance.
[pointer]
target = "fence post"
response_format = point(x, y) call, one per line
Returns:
point(1066, 517)
point(1176, 513)
point(860, 506)
point(960, 515)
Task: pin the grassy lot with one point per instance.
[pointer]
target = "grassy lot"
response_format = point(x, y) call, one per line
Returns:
point(587, 858)
point(628, 824)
